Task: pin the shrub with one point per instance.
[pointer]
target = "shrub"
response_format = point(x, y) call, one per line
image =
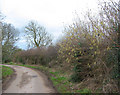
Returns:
point(85, 90)
point(43, 55)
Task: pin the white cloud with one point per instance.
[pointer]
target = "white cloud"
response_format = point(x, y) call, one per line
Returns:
point(49, 13)
point(22, 43)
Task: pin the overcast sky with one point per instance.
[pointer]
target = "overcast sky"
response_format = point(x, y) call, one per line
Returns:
point(52, 14)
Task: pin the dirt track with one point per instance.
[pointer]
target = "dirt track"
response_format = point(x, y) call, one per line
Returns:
point(28, 81)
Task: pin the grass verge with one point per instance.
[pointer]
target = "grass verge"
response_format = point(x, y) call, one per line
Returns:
point(6, 71)
point(59, 79)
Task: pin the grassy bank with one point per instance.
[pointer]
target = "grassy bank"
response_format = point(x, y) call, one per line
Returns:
point(59, 78)
point(59, 81)
point(6, 72)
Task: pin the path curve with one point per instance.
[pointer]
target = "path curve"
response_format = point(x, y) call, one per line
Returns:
point(28, 81)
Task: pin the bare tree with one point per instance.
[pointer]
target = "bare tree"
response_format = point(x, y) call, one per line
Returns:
point(37, 35)
point(1, 17)
point(9, 34)
point(9, 37)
